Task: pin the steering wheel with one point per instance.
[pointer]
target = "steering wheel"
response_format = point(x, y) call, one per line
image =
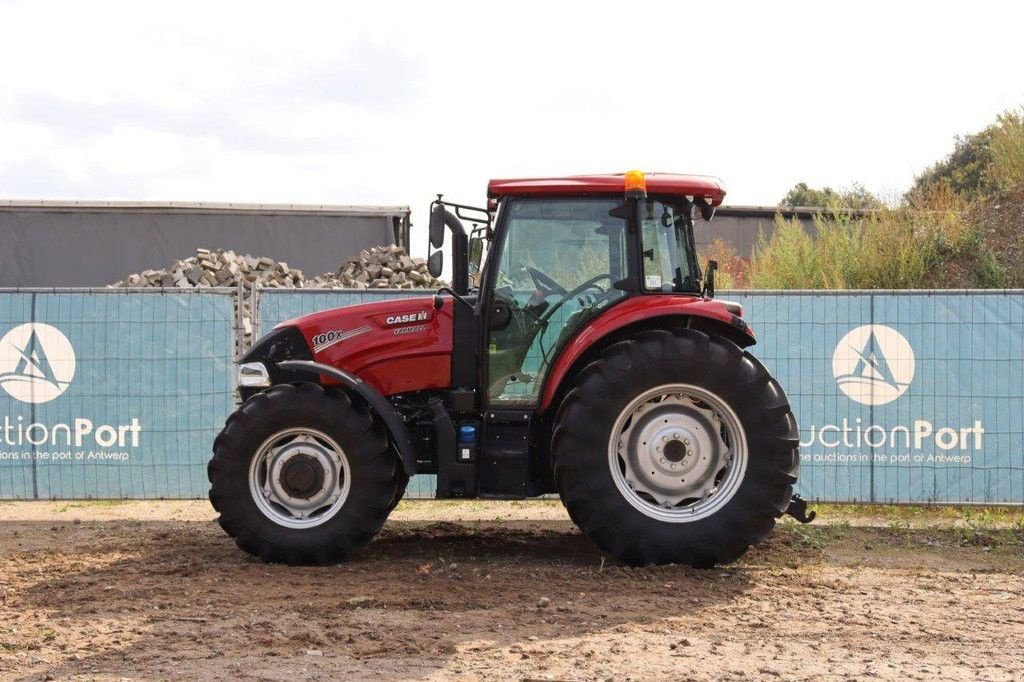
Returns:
point(545, 283)
point(589, 284)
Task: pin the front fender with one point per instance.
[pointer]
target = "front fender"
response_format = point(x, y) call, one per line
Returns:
point(377, 402)
point(709, 313)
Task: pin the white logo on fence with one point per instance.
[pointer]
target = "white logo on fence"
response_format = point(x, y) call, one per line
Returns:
point(873, 364)
point(37, 362)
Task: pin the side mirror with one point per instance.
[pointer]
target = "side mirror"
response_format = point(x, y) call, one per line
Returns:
point(707, 211)
point(709, 280)
point(437, 226)
point(476, 253)
point(435, 264)
point(440, 220)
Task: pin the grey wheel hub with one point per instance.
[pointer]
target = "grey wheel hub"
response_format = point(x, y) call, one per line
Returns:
point(302, 476)
point(299, 478)
point(677, 453)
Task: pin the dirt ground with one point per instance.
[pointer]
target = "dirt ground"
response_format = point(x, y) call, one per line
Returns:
point(507, 591)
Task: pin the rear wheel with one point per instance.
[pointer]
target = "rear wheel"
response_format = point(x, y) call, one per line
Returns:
point(303, 475)
point(675, 447)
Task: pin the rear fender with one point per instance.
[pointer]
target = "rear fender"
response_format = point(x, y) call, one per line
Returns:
point(393, 422)
point(644, 312)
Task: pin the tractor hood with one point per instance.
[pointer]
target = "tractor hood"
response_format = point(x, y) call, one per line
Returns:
point(396, 346)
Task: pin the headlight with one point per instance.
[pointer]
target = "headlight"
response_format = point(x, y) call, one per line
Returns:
point(253, 374)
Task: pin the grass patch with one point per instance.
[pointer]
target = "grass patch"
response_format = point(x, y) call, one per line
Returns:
point(900, 534)
point(883, 527)
point(87, 504)
point(892, 248)
point(991, 516)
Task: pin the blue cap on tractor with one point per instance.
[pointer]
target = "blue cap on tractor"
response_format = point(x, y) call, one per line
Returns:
point(467, 433)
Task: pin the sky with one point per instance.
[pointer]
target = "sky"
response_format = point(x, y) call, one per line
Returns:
point(390, 103)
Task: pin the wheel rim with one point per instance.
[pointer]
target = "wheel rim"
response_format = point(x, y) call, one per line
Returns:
point(299, 478)
point(677, 453)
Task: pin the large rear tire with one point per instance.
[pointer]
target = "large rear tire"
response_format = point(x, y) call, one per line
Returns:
point(675, 447)
point(303, 475)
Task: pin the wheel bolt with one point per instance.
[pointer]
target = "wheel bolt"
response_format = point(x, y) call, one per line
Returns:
point(676, 436)
point(673, 466)
point(664, 439)
point(689, 453)
point(686, 441)
point(662, 460)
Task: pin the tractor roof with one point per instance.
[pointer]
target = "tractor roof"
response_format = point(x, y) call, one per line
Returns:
point(611, 184)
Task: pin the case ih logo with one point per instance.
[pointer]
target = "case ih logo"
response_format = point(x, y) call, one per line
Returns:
point(873, 364)
point(37, 363)
point(406, 318)
point(322, 342)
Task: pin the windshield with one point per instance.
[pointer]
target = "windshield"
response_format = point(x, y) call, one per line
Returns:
point(669, 254)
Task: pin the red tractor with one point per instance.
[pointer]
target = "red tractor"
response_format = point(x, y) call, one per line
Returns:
point(579, 351)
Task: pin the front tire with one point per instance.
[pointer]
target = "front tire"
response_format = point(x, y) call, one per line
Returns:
point(675, 447)
point(303, 475)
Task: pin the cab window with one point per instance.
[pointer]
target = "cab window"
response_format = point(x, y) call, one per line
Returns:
point(668, 255)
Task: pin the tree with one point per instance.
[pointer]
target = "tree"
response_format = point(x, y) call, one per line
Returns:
point(981, 163)
point(853, 197)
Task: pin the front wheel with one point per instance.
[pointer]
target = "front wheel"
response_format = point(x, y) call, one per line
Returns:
point(675, 447)
point(303, 475)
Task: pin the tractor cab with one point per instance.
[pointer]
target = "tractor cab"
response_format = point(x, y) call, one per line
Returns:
point(559, 252)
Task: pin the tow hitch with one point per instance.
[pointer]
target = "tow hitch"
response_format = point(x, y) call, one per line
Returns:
point(798, 510)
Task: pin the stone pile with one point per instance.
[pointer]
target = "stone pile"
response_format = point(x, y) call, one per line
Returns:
point(382, 267)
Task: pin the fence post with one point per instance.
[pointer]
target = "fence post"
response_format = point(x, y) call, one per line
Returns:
point(239, 321)
point(254, 312)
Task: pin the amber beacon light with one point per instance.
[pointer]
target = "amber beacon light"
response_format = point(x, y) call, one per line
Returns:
point(636, 185)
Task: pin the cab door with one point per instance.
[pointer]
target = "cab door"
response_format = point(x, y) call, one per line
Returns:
point(556, 262)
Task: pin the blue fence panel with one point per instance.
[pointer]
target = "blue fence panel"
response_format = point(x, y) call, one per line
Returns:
point(114, 394)
point(900, 396)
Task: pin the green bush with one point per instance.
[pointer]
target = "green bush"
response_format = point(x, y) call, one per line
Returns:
point(892, 248)
point(1006, 169)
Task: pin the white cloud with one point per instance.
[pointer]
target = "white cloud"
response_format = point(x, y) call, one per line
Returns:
point(391, 102)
